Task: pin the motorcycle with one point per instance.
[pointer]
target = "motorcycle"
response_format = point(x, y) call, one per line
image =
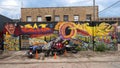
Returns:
point(58, 48)
point(70, 46)
point(54, 46)
point(32, 51)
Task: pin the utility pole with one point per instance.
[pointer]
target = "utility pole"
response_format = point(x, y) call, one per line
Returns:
point(93, 10)
point(93, 23)
point(53, 14)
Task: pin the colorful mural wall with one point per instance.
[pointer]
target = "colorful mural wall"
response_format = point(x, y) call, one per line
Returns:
point(84, 34)
point(11, 42)
point(89, 35)
point(39, 34)
point(84, 29)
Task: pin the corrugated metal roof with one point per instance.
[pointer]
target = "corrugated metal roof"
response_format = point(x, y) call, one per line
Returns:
point(4, 20)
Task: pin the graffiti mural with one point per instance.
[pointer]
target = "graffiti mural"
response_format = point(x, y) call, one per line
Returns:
point(39, 34)
point(10, 28)
point(37, 41)
point(36, 30)
point(84, 34)
point(89, 35)
point(10, 42)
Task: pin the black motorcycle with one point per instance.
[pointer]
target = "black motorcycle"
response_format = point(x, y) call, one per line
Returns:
point(70, 46)
point(58, 48)
point(32, 51)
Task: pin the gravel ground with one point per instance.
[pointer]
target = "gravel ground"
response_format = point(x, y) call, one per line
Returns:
point(21, 55)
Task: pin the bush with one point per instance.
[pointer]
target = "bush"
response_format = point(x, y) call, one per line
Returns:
point(81, 48)
point(100, 48)
point(78, 48)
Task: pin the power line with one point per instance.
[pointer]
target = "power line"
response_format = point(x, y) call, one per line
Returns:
point(111, 11)
point(110, 6)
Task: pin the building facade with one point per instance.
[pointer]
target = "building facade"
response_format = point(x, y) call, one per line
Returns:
point(109, 19)
point(79, 13)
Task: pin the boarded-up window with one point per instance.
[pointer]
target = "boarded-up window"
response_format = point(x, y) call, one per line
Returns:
point(39, 18)
point(29, 18)
point(88, 17)
point(66, 17)
point(76, 18)
point(57, 18)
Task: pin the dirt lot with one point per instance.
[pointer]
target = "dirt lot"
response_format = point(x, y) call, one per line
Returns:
point(83, 59)
point(21, 55)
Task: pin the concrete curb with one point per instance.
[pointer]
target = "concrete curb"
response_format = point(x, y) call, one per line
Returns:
point(4, 62)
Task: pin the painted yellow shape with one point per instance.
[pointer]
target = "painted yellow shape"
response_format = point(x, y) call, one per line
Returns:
point(7, 35)
point(28, 26)
point(35, 26)
point(57, 27)
point(85, 27)
point(43, 25)
point(102, 29)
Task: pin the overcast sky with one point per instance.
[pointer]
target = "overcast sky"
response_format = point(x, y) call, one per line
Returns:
point(12, 8)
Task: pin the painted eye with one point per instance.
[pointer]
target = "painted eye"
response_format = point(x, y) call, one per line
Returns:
point(67, 31)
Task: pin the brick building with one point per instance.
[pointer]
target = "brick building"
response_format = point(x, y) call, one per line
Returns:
point(79, 13)
point(109, 19)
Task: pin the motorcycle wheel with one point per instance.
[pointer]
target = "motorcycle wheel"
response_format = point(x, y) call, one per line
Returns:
point(30, 55)
point(47, 53)
point(62, 51)
point(74, 51)
point(53, 53)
